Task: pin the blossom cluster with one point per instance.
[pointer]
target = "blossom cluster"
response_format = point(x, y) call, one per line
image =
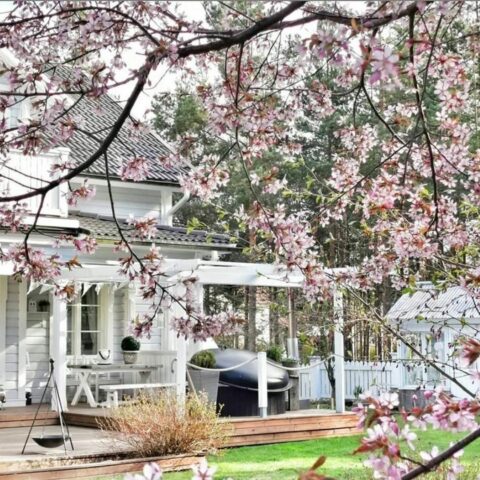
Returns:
point(391, 446)
point(151, 471)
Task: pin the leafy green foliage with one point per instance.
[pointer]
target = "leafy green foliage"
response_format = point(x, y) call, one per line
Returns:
point(204, 359)
point(275, 353)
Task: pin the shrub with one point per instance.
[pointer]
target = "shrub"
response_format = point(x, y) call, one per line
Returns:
point(162, 425)
point(204, 359)
point(275, 353)
point(130, 344)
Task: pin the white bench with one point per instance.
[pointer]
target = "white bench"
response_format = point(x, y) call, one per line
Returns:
point(112, 390)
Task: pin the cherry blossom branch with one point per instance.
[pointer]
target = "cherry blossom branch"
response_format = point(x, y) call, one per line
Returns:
point(422, 114)
point(442, 457)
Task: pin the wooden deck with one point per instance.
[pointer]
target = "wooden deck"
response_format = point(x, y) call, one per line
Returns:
point(23, 416)
point(287, 427)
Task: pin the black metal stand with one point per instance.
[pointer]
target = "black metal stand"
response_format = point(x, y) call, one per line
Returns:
point(63, 424)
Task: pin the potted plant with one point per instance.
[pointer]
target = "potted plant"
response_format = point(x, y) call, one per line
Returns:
point(291, 363)
point(130, 347)
point(275, 353)
point(203, 380)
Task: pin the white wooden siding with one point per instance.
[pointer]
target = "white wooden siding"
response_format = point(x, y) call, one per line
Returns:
point(166, 363)
point(38, 168)
point(157, 340)
point(37, 343)
point(135, 201)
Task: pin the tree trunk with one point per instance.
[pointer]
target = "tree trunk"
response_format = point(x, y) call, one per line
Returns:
point(207, 299)
point(273, 322)
point(251, 294)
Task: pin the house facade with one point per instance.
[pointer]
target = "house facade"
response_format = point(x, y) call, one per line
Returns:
point(35, 325)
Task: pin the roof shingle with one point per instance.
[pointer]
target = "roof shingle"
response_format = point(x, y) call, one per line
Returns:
point(104, 228)
point(99, 115)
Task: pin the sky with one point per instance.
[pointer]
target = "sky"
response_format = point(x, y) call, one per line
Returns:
point(162, 80)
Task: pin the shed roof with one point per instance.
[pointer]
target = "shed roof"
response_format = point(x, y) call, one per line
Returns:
point(429, 302)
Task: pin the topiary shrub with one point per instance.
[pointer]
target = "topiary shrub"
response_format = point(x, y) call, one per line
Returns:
point(130, 344)
point(204, 359)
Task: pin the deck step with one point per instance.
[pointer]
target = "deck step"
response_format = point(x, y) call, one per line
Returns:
point(14, 417)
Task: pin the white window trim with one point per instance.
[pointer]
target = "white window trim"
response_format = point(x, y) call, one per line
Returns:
point(105, 322)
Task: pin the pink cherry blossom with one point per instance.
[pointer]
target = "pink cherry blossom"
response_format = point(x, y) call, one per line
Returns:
point(135, 169)
point(384, 64)
point(83, 192)
point(203, 471)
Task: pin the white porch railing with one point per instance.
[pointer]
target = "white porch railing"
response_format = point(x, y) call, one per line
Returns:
point(368, 376)
point(22, 173)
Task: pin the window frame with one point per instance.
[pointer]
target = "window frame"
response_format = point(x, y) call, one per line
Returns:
point(103, 322)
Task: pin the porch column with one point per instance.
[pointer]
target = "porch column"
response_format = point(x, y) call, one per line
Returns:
point(22, 341)
point(180, 345)
point(3, 328)
point(339, 352)
point(58, 347)
point(292, 340)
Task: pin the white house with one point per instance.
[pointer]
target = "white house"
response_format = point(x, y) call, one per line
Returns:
point(432, 319)
point(34, 324)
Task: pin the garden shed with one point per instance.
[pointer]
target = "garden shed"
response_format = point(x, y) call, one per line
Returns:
point(432, 319)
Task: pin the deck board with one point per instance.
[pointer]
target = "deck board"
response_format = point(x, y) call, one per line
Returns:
point(290, 426)
point(13, 417)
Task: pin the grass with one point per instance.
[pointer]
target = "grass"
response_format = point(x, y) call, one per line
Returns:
point(285, 460)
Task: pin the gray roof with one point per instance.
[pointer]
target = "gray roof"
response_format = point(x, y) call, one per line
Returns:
point(99, 115)
point(104, 228)
point(433, 304)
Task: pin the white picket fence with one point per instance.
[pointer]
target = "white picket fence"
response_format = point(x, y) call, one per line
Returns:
point(375, 377)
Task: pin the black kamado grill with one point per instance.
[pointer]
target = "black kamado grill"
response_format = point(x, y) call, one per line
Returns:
point(238, 389)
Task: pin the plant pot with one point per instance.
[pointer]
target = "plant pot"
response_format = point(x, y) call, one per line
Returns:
point(130, 357)
point(291, 364)
point(204, 381)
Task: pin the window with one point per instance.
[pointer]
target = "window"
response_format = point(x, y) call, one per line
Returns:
point(14, 112)
point(84, 323)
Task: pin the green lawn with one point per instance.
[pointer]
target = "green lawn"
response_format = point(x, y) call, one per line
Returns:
point(285, 460)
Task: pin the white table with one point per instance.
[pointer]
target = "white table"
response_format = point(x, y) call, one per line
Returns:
point(84, 373)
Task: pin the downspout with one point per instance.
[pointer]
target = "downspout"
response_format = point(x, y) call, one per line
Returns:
point(169, 214)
